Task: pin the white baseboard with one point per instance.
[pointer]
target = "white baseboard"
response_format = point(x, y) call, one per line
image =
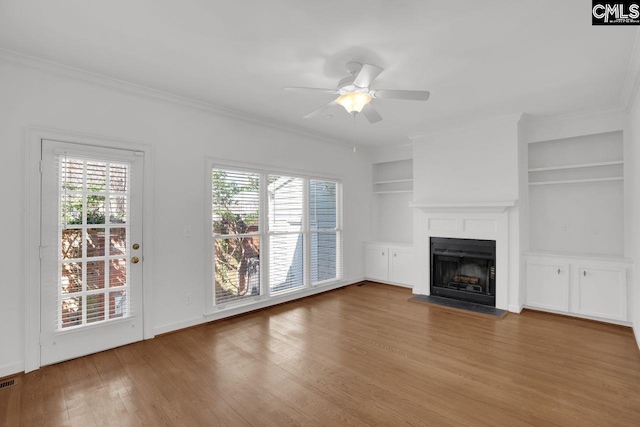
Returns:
point(514, 308)
point(178, 325)
point(11, 369)
point(636, 333)
point(234, 311)
point(580, 316)
point(401, 285)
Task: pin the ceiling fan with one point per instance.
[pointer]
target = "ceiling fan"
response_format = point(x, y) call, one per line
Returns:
point(355, 95)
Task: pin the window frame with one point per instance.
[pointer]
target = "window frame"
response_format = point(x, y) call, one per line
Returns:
point(213, 236)
point(337, 230)
point(265, 233)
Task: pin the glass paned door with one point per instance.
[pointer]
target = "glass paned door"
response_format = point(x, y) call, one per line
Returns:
point(91, 269)
point(94, 234)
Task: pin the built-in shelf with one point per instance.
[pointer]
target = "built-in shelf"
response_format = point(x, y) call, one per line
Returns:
point(576, 195)
point(393, 181)
point(393, 177)
point(577, 166)
point(578, 181)
point(392, 191)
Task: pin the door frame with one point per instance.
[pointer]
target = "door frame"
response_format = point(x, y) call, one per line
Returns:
point(32, 233)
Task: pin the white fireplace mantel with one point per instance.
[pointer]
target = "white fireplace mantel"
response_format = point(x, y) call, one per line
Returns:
point(485, 220)
point(465, 207)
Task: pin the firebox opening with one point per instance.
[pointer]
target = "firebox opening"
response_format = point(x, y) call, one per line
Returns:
point(464, 269)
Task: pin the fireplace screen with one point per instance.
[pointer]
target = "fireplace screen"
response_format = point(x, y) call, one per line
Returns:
point(464, 269)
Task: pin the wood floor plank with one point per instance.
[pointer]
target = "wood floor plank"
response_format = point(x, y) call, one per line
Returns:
point(357, 356)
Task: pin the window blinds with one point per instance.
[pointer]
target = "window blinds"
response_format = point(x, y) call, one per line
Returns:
point(91, 281)
point(286, 241)
point(236, 228)
point(325, 231)
point(296, 222)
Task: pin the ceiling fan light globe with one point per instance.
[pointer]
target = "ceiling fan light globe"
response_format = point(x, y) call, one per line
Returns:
point(354, 102)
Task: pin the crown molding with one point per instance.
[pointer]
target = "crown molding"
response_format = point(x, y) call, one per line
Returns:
point(128, 88)
point(574, 115)
point(466, 125)
point(631, 83)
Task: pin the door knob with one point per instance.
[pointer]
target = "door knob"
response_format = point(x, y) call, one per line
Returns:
point(135, 260)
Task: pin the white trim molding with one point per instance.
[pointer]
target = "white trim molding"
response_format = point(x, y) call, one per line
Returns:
point(461, 207)
point(470, 223)
point(32, 238)
point(16, 58)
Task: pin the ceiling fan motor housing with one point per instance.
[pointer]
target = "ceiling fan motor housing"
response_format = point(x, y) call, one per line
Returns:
point(346, 85)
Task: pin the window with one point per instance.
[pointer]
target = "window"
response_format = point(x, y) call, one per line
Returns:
point(286, 240)
point(325, 235)
point(289, 225)
point(236, 231)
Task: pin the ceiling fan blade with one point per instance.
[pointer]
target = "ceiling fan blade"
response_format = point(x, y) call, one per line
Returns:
point(367, 75)
point(316, 113)
point(311, 89)
point(413, 95)
point(371, 114)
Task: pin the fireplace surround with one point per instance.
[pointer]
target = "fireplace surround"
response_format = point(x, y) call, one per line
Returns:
point(485, 220)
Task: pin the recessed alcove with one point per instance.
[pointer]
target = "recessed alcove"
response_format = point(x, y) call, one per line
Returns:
point(576, 195)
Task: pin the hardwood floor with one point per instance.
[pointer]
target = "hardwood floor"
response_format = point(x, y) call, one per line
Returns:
point(361, 356)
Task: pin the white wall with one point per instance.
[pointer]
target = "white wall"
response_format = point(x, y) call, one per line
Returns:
point(392, 218)
point(392, 153)
point(182, 137)
point(478, 162)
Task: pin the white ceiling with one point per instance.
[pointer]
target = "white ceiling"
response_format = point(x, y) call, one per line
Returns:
point(478, 58)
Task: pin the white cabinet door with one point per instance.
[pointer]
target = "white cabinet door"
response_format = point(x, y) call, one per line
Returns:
point(548, 285)
point(377, 263)
point(602, 293)
point(401, 267)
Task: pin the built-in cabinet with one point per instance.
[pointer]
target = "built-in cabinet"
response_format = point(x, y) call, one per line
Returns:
point(595, 288)
point(576, 263)
point(389, 263)
point(601, 291)
point(547, 284)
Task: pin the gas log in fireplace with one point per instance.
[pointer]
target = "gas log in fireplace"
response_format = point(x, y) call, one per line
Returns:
point(464, 269)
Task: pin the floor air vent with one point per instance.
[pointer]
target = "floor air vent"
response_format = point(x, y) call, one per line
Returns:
point(7, 383)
